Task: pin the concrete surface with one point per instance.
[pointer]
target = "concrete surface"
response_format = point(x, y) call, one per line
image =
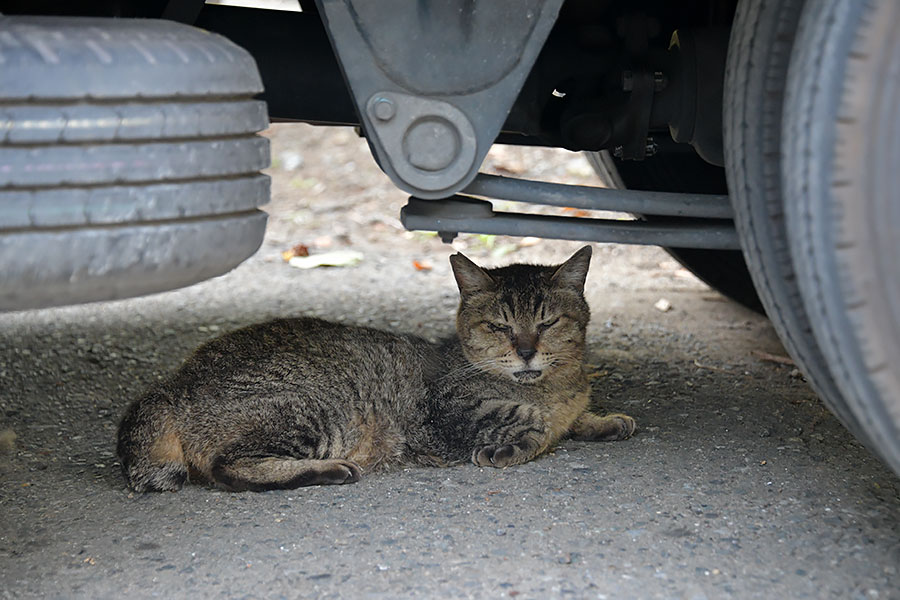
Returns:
point(739, 484)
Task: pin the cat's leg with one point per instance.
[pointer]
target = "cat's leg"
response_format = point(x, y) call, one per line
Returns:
point(591, 427)
point(266, 459)
point(262, 473)
point(510, 434)
point(277, 445)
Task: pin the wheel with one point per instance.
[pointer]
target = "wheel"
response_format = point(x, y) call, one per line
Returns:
point(723, 270)
point(841, 155)
point(129, 162)
point(762, 36)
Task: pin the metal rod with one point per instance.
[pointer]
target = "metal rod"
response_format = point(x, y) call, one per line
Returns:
point(592, 198)
point(460, 215)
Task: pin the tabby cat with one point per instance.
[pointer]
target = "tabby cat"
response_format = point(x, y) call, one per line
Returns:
point(297, 402)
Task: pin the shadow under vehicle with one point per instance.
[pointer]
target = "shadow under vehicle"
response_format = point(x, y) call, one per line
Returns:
point(756, 140)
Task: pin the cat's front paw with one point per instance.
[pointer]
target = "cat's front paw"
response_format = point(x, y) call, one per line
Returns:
point(499, 456)
point(610, 428)
point(623, 427)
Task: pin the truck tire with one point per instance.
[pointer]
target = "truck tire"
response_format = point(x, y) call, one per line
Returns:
point(722, 270)
point(129, 162)
point(756, 73)
point(841, 155)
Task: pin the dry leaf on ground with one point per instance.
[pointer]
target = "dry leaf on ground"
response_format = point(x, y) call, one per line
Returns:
point(775, 358)
point(338, 258)
point(298, 250)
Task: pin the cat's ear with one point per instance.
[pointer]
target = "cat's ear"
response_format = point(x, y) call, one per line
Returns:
point(470, 277)
point(572, 273)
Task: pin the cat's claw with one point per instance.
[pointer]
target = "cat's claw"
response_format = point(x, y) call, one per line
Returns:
point(627, 426)
point(497, 456)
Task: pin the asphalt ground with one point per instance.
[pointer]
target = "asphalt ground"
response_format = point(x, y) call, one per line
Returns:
point(738, 484)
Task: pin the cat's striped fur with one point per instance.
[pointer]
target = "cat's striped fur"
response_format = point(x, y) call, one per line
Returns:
point(296, 402)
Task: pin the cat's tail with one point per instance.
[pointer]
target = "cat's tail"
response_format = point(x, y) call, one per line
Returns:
point(149, 447)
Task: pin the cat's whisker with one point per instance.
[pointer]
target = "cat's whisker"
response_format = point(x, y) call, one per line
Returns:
point(565, 358)
point(472, 367)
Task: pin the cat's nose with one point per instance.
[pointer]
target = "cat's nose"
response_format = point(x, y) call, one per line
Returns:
point(526, 353)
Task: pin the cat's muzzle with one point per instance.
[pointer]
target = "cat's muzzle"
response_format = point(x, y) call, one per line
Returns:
point(527, 375)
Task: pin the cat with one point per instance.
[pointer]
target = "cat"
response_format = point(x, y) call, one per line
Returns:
point(296, 402)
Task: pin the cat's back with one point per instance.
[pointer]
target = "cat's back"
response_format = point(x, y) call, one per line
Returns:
point(311, 353)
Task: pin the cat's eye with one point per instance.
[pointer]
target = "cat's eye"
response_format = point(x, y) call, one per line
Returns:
point(547, 325)
point(498, 327)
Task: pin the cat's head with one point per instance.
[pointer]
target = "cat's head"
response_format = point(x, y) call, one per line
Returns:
point(523, 322)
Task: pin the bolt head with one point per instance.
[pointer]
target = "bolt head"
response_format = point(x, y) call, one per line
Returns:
point(384, 109)
point(431, 144)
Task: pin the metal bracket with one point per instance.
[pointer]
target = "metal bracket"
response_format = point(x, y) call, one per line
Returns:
point(693, 220)
point(460, 214)
point(434, 80)
point(642, 88)
point(430, 144)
